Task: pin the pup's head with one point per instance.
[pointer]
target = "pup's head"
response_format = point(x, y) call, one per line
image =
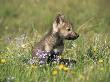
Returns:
point(64, 28)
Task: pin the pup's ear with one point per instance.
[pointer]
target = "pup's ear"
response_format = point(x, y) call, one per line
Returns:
point(59, 19)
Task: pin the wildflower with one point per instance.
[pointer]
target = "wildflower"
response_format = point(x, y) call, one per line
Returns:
point(94, 49)
point(61, 66)
point(65, 68)
point(3, 61)
point(10, 79)
point(31, 61)
point(42, 61)
point(55, 72)
point(8, 48)
point(23, 46)
point(100, 61)
point(33, 66)
point(41, 54)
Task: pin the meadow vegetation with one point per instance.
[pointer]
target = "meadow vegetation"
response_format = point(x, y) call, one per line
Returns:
point(23, 22)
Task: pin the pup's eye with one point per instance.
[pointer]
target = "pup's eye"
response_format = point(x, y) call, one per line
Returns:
point(69, 29)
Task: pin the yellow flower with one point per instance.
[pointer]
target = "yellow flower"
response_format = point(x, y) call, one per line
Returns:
point(94, 49)
point(55, 72)
point(100, 61)
point(33, 66)
point(3, 61)
point(61, 66)
point(65, 68)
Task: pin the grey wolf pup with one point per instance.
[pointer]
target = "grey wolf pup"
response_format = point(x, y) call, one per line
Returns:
point(51, 46)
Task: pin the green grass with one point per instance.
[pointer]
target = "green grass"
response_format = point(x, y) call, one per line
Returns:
point(23, 22)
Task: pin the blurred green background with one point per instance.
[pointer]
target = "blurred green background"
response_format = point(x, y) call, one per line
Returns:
point(26, 16)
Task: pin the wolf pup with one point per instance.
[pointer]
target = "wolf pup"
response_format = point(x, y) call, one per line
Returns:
point(52, 45)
